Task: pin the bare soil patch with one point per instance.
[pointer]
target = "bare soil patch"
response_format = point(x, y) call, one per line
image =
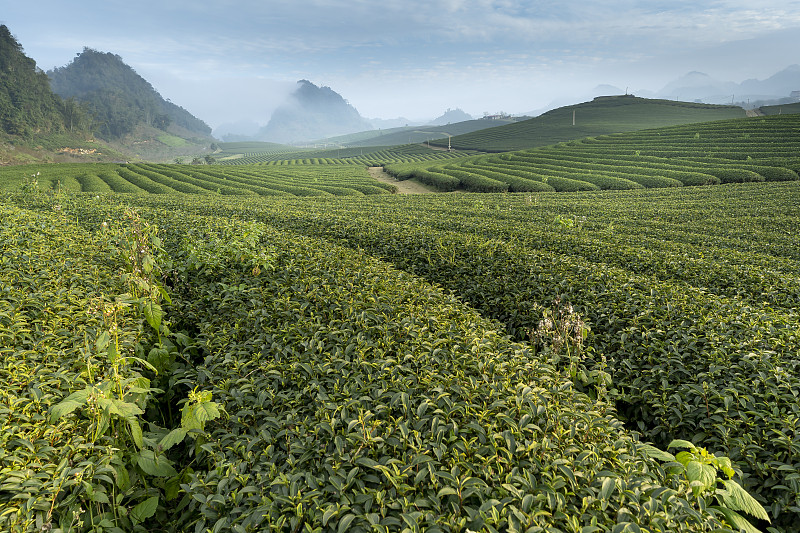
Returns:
point(403, 187)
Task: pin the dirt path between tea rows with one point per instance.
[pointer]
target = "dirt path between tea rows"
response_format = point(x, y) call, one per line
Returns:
point(403, 187)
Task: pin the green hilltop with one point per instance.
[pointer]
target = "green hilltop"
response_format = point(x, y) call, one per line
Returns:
point(601, 116)
point(94, 109)
point(415, 134)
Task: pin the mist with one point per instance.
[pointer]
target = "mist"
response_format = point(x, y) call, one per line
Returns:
point(233, 65)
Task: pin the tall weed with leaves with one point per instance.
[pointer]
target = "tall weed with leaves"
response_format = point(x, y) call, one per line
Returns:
point(121, 364)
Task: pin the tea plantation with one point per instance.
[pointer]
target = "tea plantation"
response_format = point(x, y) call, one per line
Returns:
point(374, 362)
point(727, 151)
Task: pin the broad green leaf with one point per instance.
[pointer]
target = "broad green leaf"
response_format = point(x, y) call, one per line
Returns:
point(172, 488)
point(684, 458)
point(152, 313)
point(100, 497)
point(155, 465)
point(724, 464)
point(172, 438)
point(62, 409)
point(736, 520)
point(705, 474)
point(678, 443)
point(102, 341)
point(136, 433)
point(345, 522)
point(144, 510)
point(122, 477)
point(206, 411)
point(656, 453)
point(126, 410)
point(736, 498)
point(607, 489)
point(188, 420)
point(447, 491)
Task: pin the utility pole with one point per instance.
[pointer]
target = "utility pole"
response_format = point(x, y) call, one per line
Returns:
point(573, 117)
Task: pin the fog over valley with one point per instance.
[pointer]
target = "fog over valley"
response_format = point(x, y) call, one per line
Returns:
point(234, 63)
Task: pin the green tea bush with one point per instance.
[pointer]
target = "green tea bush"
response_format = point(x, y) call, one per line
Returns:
point(119, 184)
point(143, 182)
point(775, 173)
point(168, 181)
point(442, 182)
point(360, 398)
point(474, 182)
point(735, 175)
point(93, 183)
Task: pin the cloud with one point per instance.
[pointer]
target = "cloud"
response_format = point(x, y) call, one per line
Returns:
point(396, 57)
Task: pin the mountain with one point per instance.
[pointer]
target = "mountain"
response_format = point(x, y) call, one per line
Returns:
point(310, 113)
point(451, 116)
point(27, 104)
point(119, 98)
point(603, 115)
point(388, 123)
point(699, 86)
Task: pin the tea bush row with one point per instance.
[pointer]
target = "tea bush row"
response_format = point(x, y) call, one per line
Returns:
point(696, 154)
point(61, 294)
point(356, 397)
point(360, 398)
point(189, 179)
point(684, 331)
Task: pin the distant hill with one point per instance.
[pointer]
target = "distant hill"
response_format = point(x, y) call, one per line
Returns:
point(701, 86)
point(310, 113)
point(601, 116)
point(27, 104)
point(782, 109)
point(119, 98)
point(451, 116)
point(411, 134)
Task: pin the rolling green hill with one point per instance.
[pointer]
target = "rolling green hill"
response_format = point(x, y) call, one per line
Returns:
point(736, 150)
point(601, 116)
point(270, 154)
point(780, 109)
point(415, 134)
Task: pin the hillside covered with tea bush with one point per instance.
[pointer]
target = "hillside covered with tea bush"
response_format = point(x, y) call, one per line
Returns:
point(491, 362)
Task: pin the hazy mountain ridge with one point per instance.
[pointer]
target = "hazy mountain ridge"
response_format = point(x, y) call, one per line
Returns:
point(312, 112)
point(451, 116)
point(700, 86)
point(119, 98)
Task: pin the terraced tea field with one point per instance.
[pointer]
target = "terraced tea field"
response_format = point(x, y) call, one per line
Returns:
point(143, 178)
point(741, 150)
point(387, 363)
point(602, 116)
point(361, 156)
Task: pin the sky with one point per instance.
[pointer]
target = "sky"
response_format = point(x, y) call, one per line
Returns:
point(235, 61)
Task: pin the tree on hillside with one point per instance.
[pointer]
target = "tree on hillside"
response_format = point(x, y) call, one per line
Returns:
point(118, 96)
point(27, 104)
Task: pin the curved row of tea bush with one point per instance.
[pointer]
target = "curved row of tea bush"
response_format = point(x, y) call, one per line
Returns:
point(362, 156)
point(733, 151)
point(66, 327)
point(700, 334)
point(353, 397)
point(301, 180)
point(362, 399)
